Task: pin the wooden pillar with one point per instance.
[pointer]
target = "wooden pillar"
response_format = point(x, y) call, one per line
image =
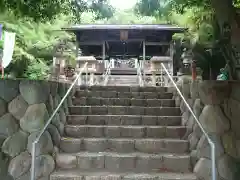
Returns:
point(104, 54)
point(144, 58)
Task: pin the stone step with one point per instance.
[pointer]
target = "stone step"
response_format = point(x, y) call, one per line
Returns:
point(75, 174)
point(124, 88)
point(125, 131)
point(126, 145)
point(124, 110)
point(122, 162)
point(96, 101)
point(124, 120)
point(119, 94)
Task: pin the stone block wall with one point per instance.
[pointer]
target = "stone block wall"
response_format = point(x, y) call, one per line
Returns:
point(217, 106)
point(25, 106)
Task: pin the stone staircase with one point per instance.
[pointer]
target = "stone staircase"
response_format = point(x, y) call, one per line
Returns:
point(123, 80)
point(123, 133)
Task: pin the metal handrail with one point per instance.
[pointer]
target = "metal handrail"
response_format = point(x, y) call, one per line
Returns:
point(106, 75)
point(211, 143)
point(49, 121)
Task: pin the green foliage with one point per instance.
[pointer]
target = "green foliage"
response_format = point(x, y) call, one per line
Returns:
point(34, 44)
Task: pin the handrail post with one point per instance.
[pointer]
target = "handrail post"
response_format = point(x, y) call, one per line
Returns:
point(212, 145)
point(33, 160)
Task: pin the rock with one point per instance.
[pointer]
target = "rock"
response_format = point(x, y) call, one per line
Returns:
point(65, 105)
point(203, 147)
point(197, 107)
point(194, 90)
point(194, 158)
point(226, 167)
point(193, 141)
point(56, 121)
point(44, 145)
point(50, 104)
point(3, 107)
point(61, 128)
point(197, 131)
point(183, 106)
point(203, 169)
point(8, 125)
point(56, 101)
point(62, 116)
point(235, 89)
point(54, 134)
point(19, 165)
point(62, 89)
point(53, 88)
point(34, 92)
point(15, 144)
point(9, 89)
point(185, 117)
point(231, 109)
point(17, 107)
point(229, 143)
point(2, 139)
point(3, 166)
point(186, 89)
point(34, 118)
point(25, 176)
point(45, 165)
point(213, 120)
point(213, 92)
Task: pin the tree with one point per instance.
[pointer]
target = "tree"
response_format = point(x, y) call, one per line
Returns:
point(228, 19)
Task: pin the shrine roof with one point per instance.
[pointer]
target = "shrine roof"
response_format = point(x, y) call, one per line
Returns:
point(154, 27)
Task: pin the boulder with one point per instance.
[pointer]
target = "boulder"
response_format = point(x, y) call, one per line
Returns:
point(213, 120)
point(203, 169)
point(44, 145)
point(194, 90)
point(62, 89)
point(53, 88)
point(213, 92)
point(185, 117)
point(226, 167)
point(194, 158)
point(197, 131)
point(49, 104)
point(54, 134)
point(8, 125)
point(2, 139)
point(45, 165)
point(34, 118)
point(9, 89)
point(3, 107)
point(235, 89)
point(232, 111)
point(65, 106)
point(56, 120)
point(15, 144)
point(17, 107)
point(204, 149)
point(34, 92)
point(25, 176)
point(197, 107)
point(230, 144)
point(193, 141)
point(62, 115)
point(56, 101)
point(19, 165)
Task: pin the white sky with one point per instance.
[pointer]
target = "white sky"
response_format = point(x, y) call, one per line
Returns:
point(123, 4)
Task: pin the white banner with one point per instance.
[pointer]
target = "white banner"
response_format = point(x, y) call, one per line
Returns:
point(8, 47)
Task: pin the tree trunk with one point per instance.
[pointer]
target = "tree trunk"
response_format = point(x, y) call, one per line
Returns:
point(229, 24)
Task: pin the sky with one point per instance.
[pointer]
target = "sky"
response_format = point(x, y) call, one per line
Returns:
point(121, 5)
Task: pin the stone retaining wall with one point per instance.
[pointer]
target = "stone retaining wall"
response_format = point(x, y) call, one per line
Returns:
point(217, 105)
point(25, 106)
